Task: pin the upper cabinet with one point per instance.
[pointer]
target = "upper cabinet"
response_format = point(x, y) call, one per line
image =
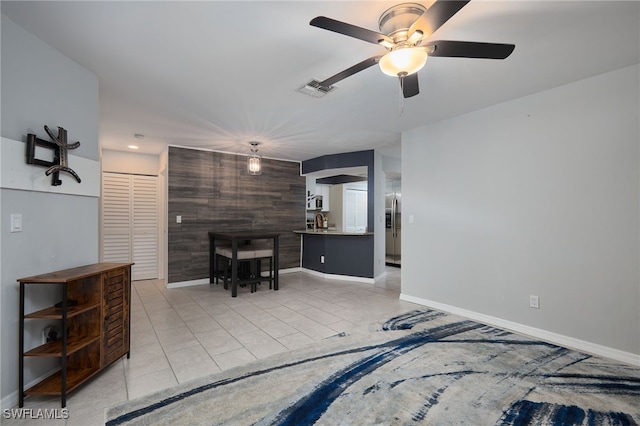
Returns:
point(323, 191)
point(317, 195)
point(311, 193)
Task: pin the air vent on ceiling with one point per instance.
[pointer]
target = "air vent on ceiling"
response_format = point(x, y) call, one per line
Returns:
point(313, 88)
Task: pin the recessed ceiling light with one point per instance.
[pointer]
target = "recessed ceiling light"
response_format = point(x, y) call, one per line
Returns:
point(133, 147)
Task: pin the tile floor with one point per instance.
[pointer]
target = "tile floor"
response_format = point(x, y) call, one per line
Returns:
point(185, 333)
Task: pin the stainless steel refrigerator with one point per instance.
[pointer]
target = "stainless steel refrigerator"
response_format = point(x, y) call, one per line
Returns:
point(393, 202)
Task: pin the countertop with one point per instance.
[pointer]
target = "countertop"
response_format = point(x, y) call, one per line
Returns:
point(330, 232)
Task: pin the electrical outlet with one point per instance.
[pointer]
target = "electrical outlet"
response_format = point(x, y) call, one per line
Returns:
point(534, 302)
point(321, 259)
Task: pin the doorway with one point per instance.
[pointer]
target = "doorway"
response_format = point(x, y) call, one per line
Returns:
point(129, 222)
point(393, 219)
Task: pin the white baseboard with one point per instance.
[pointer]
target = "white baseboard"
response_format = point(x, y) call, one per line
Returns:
point(338, 277)
point(289, 270)
point(548, 336)
point(206, 280)
point(381, 276)
point(11, 400)
point(188, 283)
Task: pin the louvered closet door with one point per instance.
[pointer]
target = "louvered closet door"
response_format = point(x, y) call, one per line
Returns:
point(116, 218)
point(145, 227)
point(130, 222)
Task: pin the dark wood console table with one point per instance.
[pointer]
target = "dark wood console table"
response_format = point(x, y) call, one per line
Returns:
point(234, 238)
point(94, 322)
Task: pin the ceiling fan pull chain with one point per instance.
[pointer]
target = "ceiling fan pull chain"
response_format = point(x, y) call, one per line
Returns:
point(401, 76)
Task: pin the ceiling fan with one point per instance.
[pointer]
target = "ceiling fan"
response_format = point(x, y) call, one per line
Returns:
point(404, 31)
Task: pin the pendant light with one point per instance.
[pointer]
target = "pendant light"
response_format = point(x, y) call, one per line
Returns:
point(254, 166)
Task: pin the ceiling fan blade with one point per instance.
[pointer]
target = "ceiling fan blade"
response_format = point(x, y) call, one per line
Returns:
point(469, 49)
point(409, 85)
point(351, 70)
point(351, 30)
point(439, 13)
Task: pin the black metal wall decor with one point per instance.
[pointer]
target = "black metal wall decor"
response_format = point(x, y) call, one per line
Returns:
point(59, 146)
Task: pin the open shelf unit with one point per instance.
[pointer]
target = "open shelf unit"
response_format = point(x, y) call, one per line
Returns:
point(93, 317)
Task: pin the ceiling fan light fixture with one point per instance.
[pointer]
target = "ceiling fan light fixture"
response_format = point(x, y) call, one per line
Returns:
point(403, 60)
point(415, 37)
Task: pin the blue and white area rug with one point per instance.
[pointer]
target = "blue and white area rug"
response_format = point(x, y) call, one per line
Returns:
point(424, 367)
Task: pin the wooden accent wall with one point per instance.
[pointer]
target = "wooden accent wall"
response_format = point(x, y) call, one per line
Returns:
point(212, 191)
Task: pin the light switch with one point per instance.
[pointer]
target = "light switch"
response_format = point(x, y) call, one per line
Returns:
point(16, 222)
point(178, 219)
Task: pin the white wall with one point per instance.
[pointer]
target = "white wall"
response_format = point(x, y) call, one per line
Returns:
point(130, 162)
point(40, 86)
point(392, 167)
point(163, 182)
point(536, 196)
point(142, 164)
point(378, 217)
point(336, 215)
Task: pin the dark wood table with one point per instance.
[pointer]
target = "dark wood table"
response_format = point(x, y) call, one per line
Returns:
point(234, 238)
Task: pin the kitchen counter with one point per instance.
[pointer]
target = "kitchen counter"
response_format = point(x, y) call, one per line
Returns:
point(330, 232)
point(337, 253)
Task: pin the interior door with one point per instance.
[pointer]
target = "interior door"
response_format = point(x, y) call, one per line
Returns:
point(130, 222)
point(145, 227)
point(116, 218)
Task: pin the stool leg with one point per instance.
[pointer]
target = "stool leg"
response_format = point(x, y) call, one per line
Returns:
point(252, 271)
point(256, 274)
point(217, 271)
point(214, 278)
point(227, 273)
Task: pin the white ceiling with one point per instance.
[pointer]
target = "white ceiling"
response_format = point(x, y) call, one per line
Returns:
point(216, 75)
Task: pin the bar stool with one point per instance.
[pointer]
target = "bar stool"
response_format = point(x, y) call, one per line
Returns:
point(259, 255)
point(244, 256)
